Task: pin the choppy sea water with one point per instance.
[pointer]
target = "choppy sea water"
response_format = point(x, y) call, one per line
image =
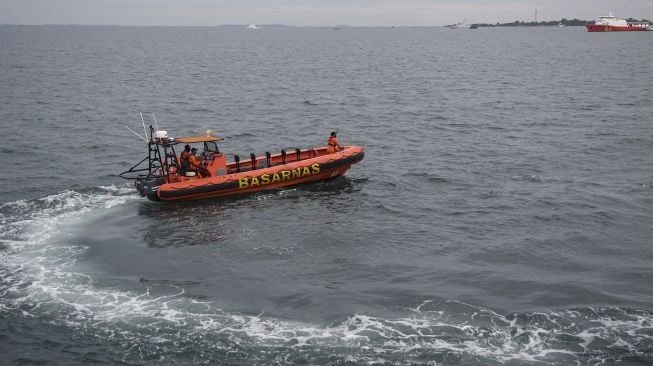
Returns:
point(502, 214)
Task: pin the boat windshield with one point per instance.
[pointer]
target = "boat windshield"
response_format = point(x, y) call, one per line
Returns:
point(211, 146)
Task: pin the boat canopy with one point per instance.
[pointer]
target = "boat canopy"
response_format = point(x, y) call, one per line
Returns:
point(196, 139)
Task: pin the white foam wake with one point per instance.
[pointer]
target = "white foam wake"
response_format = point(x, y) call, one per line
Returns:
point(157, 319)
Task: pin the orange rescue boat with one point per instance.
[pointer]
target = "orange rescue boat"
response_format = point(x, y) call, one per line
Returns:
point(161, 177)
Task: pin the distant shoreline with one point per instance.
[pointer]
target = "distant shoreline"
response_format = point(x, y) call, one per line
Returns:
point(551, 23)
point(516, 23)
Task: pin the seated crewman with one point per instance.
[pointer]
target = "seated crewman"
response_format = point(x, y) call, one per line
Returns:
point(196, 164)
point(332, 144)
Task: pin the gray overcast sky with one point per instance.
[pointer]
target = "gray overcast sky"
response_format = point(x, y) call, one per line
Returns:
point(309, 12)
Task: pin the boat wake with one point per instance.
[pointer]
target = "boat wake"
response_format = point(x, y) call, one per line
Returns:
point(155, 321)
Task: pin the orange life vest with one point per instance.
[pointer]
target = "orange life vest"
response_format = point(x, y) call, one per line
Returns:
point(194, 162)
point(332, 145)
point(184, 156)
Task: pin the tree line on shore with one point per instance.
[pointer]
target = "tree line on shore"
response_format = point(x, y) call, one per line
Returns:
point(563, 21)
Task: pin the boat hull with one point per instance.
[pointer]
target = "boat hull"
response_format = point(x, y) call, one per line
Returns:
point(613, 28)
point(304, 171)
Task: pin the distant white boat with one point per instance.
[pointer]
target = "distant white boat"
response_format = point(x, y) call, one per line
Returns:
point(462, 25)
point(253, 26)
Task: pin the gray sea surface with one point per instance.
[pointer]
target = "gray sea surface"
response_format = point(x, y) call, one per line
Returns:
point(503, 213)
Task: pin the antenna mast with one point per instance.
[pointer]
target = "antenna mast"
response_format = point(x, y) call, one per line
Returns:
point(142, 120)
point(139, 136)
point(155, 125)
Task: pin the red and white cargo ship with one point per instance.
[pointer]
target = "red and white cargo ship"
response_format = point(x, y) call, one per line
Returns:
point(611, 23)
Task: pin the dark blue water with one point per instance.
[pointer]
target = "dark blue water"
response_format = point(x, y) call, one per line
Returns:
point(502, 215)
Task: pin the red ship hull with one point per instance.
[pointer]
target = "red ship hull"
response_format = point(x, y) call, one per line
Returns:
point(613, 28)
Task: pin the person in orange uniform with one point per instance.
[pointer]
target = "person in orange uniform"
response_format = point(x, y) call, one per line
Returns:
point(184, 160)
point(194, 161)
point(332, 144)
point(196, 164)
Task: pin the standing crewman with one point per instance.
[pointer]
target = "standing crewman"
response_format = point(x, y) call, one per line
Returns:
point(184, 160)
point(332, 144)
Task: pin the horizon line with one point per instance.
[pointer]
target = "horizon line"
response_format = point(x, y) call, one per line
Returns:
point(270, 25)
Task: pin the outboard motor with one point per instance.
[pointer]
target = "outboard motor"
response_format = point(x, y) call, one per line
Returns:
point(152, 194)
point(149, 186)
point(138, 183)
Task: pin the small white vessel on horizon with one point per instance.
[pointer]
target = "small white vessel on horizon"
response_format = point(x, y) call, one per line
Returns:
point(253, 26)
point(461, 25)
